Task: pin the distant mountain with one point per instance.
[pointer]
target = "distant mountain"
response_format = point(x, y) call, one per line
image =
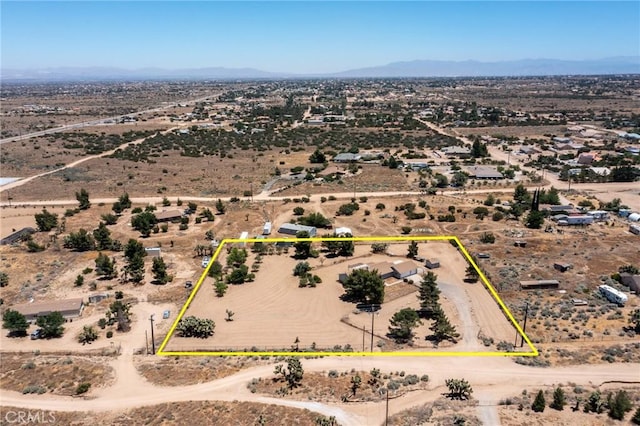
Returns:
point(418, 68)
point(524, 67)
point(106, 73)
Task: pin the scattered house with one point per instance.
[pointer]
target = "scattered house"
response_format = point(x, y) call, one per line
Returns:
point(293, 229)
point(484, 172)
point(562, 267)
point(18, 236)
point(416, 164)
point(69, 308)
point(576, 220)
point(456, 151)
point(601, 171)
point(520, 243)
point(560, 139)
point(266, 229)
point(539, 284)
point(613, 295)
point(96, 298)
point(432, 263)
point(633, 150)
point(153, 251)
point(567, 210)
point(342, 231)
point(634, 229)
point(331, 171)
point(631, 281)
point(579, 302)
point(586, 158)
point(168, 215)
point(528, 150)
point(598, 215)
point(567, 146)
point(347, 157)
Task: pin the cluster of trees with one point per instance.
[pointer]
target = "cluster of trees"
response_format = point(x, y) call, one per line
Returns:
point(302, 271)
point(616, 405)
point(192, 326)
point(339, 248)
point(364, 286)
point(236, 259)
point(429, 297)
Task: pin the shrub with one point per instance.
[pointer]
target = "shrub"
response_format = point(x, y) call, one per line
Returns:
point(83, 388)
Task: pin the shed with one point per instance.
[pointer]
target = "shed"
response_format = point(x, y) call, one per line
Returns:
point(520, 243)
point(634, 217)
point(562, 267)
point(153, 251)
point(266, 229)
point(168, 215)
point(343, 230)
point(634, 229)
point(95, 298)
point(69, 308)
point(432, 263)
point(347, 157)
point(539, 284)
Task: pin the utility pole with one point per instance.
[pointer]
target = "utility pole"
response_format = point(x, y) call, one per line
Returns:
point(524, 328)
point(153, 342)
point(146, 341)
point(364, 329)
point(386, 414)
point(373, 315)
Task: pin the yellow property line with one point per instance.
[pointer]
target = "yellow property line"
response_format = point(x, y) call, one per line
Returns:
point(485, 281)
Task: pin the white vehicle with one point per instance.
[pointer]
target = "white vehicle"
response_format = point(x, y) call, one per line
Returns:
point(613, 295)
point(205, 261)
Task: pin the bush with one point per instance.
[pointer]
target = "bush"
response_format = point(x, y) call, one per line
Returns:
point(109, 334)
point(83, 388)
point(34, 389)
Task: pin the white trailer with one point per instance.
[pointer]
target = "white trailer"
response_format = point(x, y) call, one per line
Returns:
point(613, 295)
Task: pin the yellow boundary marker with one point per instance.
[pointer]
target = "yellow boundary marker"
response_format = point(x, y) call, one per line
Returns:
point(485, 281)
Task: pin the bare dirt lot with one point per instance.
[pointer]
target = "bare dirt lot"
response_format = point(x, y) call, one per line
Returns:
point(319, 319)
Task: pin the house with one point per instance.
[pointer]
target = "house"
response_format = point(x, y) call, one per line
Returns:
point(528, 150)
point(484, 172)
point(152, 251)
point(562, 267)
point(586, 158)
point(539, 284)
point(293, 229)
point(432, 263)
point(266, 229)
point(17, 236)
point(404, 269)
point(631, 281)
point(168, 215)
point(598, 215)
point(456, 151)
point(347, 157)
point(69, 308)
point(416, 164)
point(577, 220)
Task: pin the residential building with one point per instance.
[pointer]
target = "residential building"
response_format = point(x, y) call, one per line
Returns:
point(69, 308)
point(293, 229)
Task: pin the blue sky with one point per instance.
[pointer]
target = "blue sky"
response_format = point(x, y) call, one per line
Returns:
point(306, 37)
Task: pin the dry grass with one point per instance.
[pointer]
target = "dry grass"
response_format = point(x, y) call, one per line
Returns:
point(53, 373)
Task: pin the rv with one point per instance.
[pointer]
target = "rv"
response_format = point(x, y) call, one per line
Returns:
point(613, 295)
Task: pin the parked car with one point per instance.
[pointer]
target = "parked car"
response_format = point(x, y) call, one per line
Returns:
point(483, 256)
point(166, 314)
point(37, 334)
point(188, 284)
point(205, 261)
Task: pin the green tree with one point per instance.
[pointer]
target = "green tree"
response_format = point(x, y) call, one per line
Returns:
point(301, 269)
point(109, 219)
point(539, 403)
point(594, 403)
point(117, 208)
point(51, 324)
point(458, 389)
point(478, 149)
point(15, 322)
point(106, 267)
point(303, 248)
point(292, 374)
point(317, 157)
point(620, 405)
point(459, 179)
point(134, 254)
point(46, 221)
point(102, 236)
point(215, 270)
point(4, 279)
point(364, 286)
point(636, 417)
point(79, 280)
point(535, 219)
point(314, 219)
point(220, 288)
point(236, 257)
point(87, 335)
point(83, 199)
point(402, 324)
point(119, 312)
point(144, 222)
point(298, 211)
point(481, 212)
point(239, 275)
point(356, 382)
point(559, 400)
point(80, 241)
point(220, 207)
point(487, 238)
point(429, 294)
point(490, 201)
point(124, 201)
point(521, 195)
point(379, 247)
point(472, 274)
point(412, 251)
point(195, 327)
point(442, 328)
point(159, 270)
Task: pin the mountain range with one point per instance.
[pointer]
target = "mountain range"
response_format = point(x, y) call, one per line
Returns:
point(418, 68)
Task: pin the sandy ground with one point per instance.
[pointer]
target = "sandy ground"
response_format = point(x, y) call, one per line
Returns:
point(273, 311)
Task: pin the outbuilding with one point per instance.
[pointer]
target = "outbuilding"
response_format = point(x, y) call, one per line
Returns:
point(293, 229)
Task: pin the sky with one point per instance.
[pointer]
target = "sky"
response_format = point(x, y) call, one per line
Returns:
point(307, 36)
